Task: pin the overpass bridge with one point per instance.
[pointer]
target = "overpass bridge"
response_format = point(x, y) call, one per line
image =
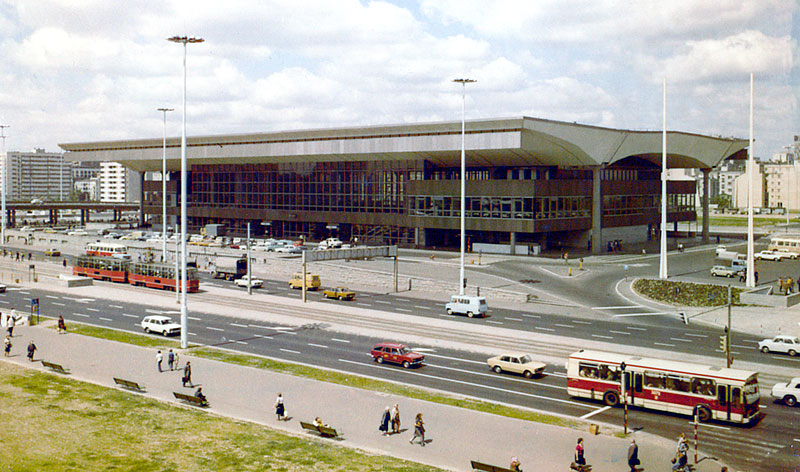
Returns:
point(53, 209)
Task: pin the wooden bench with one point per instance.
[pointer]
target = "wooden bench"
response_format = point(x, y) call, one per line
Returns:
point(488, 468)
point(129, 384)
point(324, 431)
point(56, 367)
point(191, 399)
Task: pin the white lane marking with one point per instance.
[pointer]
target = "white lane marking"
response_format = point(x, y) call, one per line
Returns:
point(445, 314)
point(194, 318)
point(115, 306)
point(620, 307)
point(318, 345)
point(6, 302)
point(439, 356)
point(544, 329)
point(531, 316)
point(563, 325)
point(592, 413)
point(130, 316)
point(383, 301)
point(239, 342)
point(494, 322)
point(340, 340)
point(239, 325)
point(106, 319)
point(278, 328)
point(486, 374)
point(403, 299)
point(513, 319)
point(92, 309)
point(422, 307)
point(664, 344)
point(696, 335)
point(158, 312)
point(636, 328)
point(471, 384)
point(81, 314)
point(289, 350)
point(657, 313)
point(706, 425)
point(52, 296)
point(602, 337)
point(790, 359)
point(745, 347)
point(618, 332)
point(214, 329)
point(409, 310)
point(58, 304)
point(192, 334)
point(681, 340)
point(363, 304)
point(582, 322)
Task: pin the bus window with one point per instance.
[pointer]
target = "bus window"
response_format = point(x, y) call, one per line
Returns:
point(637, 382)
point(701, 386)
point(736, 397)
point(607, 373)
point(722, 395)
point(587, 370)
point(678, 383)
point(653, 380)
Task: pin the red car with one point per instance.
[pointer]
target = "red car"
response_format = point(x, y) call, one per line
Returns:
point(397, 354)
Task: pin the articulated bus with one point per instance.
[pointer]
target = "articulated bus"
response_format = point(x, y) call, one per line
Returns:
point(107, 249)
point(147, 274)
point(786, 243)
point(678, 387)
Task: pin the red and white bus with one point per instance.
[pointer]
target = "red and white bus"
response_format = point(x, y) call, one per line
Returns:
point(679, 387)
point(119, 251)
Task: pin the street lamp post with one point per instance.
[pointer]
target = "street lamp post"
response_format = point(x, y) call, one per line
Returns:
point(3, 165)
point(463, 83)
point(164, 187)
point(184, 316)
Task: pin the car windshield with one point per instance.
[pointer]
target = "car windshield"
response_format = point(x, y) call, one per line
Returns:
point(403, 350)
point(525, 359)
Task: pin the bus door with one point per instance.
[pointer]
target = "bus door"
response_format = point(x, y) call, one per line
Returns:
point(633, 386)
point(638, 381)
point(724, 399)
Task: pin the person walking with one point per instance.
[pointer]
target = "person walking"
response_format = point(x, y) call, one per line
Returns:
point(395, 418)
point(187, 374)
point(31, 350)
point(386, 417)
point(419, 430)
point(681, 457)
point(12, 321)
point(515, 464)
point(580, 459)
point(62, 326)
point(177, 364)
point(280, 409)
point(633, 455)
point(7, 346)
point(159, 358)
point(170, 359)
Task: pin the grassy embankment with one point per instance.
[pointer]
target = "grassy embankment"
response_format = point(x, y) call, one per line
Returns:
point(686, 293)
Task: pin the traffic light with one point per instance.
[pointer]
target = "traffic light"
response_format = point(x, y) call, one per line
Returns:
point(723, 342)
point(684, 318)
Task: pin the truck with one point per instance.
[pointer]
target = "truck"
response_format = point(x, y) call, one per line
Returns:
point(228, 268)
point(213, 231)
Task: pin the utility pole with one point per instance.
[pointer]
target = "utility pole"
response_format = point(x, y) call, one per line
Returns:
point(725, 339)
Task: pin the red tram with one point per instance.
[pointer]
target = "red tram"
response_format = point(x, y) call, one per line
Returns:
point(147, 274)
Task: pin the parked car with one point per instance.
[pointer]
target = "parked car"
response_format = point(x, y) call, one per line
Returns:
point(288, 249)
point(330, 243)
point(244, 281)
point(160, 324)
point(77, 232)
point(52, 252)
point(111, 235)
point(725, 271)
point(787, 344)
point(516, 363)
point(396, 354)
point(312, 281)
point(340, 293)
point(2, 288)
point(787, 392)
point(769, 256)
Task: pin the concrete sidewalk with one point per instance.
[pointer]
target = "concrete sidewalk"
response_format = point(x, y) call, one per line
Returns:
point(455, 435)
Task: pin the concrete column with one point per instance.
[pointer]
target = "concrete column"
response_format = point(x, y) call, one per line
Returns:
point(513, 237)
point(706, 207)
point(597, 210)
point(141, 199)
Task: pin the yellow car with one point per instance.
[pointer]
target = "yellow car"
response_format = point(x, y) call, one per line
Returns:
point(517, 363)
point(340, 293)
point(52, 252)
point(312, 281)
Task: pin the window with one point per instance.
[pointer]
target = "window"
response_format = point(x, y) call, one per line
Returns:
point(588, 370)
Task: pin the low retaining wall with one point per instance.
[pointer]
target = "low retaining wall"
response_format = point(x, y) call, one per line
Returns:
point(765, 297)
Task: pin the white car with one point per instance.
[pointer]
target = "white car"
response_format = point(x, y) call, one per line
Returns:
point(517, 363)
point(769, 256)
point(787, 392)
point(77, 232)
point(288, 249)
point(725, 271)
point(243, 282)
point(788, 344)
point(160, 324)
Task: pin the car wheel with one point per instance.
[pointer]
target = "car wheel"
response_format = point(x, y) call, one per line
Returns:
point(406, 364)
point(341, 298)
point(611, 398)
point(449, 311)
point(703, 413)
point(765, 349)
point(164, 333)
point(470, 314)
point(497, 369)
point(379, 360)
point(790, 400)
point(528, 374)
point(147, 330)
point(792, 352)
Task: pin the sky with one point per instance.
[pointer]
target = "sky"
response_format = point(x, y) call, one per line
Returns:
point(92, 70)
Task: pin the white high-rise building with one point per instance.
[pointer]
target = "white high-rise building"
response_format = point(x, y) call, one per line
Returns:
point(38, 175)
point(117, 184)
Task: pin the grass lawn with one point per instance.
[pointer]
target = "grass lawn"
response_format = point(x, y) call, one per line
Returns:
point(686, 293)
point(53, 423)
point(742, 221)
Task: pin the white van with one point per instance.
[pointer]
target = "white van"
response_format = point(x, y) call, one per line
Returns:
point(467, 305)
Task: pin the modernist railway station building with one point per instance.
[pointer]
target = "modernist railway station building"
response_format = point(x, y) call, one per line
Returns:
point(529, 182)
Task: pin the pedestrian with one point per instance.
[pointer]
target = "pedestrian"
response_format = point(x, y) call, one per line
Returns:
point(64, 262)
point(31, 350)
point(755, 276)
point(177, 364)
point(187, 374)
point(681, 458)
point(515, 465)
point(62, 326)
point(280, 409)
point(419, 430)
point(633, 455)
point(579, 453)
point(789, 285)
point(170, 359)
point(386, 417)
point(781, 284)
point(159, 358)
point(7, 346)
point(12, 321)
point(395, 418)
point(199, 394)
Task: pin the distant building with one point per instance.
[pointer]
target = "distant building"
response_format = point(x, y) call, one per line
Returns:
point(117, 184)
point(39, 174)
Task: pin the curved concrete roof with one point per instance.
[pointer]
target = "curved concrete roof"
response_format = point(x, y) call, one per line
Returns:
point(521, 141)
